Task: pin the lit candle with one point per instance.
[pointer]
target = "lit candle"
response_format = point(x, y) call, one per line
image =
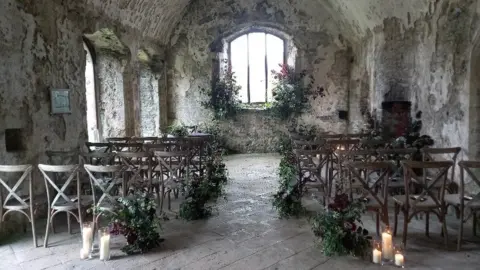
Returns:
point(104, 244)
point(399, 260)
point(387, 244)
point(87, 237)
point(377, 256)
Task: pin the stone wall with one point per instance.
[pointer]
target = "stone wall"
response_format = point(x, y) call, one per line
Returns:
point(111, 103)
point(321, 51)
point(426, 63)
point(38, 53)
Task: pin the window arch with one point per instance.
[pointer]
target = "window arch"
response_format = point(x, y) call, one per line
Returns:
point(91, 99)
point(252, 56)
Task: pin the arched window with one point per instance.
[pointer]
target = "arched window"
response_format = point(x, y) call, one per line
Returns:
point(252, 57)
point(92, 127)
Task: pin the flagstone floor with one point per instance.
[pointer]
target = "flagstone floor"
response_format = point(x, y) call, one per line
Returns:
point(244, 234)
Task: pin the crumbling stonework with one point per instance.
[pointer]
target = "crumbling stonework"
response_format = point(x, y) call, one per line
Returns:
point(149, 104)
point(321, 51)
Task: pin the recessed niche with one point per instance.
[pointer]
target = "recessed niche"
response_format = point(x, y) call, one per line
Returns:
point(14, 140)
point(343, 115)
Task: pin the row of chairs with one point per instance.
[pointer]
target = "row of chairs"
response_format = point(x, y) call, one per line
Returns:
point(426, 183)
point(163, 170)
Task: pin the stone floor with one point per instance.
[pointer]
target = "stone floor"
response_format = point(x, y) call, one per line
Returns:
point(244, 234)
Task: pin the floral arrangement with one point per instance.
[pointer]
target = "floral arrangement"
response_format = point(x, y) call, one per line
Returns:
point(136, 219)
point(223, 96)
point(290, 92)
point(178, 130)
point(339, 230)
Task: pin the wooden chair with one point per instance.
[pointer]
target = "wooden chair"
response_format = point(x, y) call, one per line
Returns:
point(172, 170)
point(428, 199)
point(340, 174)
point(14, 202)
point(441, 154)
point(373, 177)
point(98, 147)
point(61, 198)
point(137, 172)
point(309, 145)
point(466, 200)
point(311, 165)
point(118, 139)
point(396, 156)
point(106, 184)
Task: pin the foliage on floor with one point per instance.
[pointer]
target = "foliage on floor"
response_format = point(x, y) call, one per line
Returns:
point(291, 93)
point(287, 200)
point(203, 192)
point(338, 228)
point(222, 97)
point(136, 219)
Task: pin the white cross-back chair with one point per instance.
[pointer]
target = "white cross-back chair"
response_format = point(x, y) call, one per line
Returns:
point(14, 202)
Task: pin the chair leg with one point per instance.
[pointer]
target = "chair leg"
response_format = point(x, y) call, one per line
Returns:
point(395, 221)
point(474, 216)
point(427, 224)
point(460, 231)
point(444, 228)
point(405, 228)
point(69, 225)
point(32, 222)
point(49, 225)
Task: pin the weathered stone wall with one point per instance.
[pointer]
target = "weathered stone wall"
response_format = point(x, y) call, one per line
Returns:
point(426, 63)
point(111, 103)
point(39, 52)
point(149, 104)
point(321, 51)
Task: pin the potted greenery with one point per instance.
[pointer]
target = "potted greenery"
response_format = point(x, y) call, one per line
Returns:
point(135, 218)
point(339, 230)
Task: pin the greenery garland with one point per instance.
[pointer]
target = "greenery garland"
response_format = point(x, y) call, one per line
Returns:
point(223, 96)
point(201, 192)
point(287, 200)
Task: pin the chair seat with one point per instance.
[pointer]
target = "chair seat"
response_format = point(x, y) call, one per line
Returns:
point(428, 202)
point(454, 199)
point(85, 200)
point(15, 205)
point(370, 202)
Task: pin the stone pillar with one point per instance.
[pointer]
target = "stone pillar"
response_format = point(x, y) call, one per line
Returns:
point(149, 103)
point(131, 98)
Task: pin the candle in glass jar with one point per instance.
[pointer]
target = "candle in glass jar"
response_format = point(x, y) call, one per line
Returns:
point(399, 260)
point(377, 256)
point(387, 245)
point(105, 247)
point(87, 235)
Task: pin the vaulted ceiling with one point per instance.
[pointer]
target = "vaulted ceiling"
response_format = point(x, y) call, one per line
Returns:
point(157, 18)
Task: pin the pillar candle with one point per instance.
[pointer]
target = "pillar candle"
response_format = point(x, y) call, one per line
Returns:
point(387, 246)
point(377, 256)
point(399, 260)
point(105, 247)
point(87, 235)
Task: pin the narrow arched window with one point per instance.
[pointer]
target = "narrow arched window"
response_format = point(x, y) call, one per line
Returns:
point(252, 57)
point(92, 127)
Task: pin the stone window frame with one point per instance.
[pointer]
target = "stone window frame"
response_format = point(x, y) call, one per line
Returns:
point(90, 49)
point(290, 53)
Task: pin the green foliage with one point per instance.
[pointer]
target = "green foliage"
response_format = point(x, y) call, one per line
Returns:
point(178, 130)
point(290, 93)
point(287, 200)
point(338, 230)
point(223, 96)
point(135, 218)
point(201, 192)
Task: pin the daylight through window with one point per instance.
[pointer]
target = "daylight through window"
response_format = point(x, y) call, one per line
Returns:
point(252, 57)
